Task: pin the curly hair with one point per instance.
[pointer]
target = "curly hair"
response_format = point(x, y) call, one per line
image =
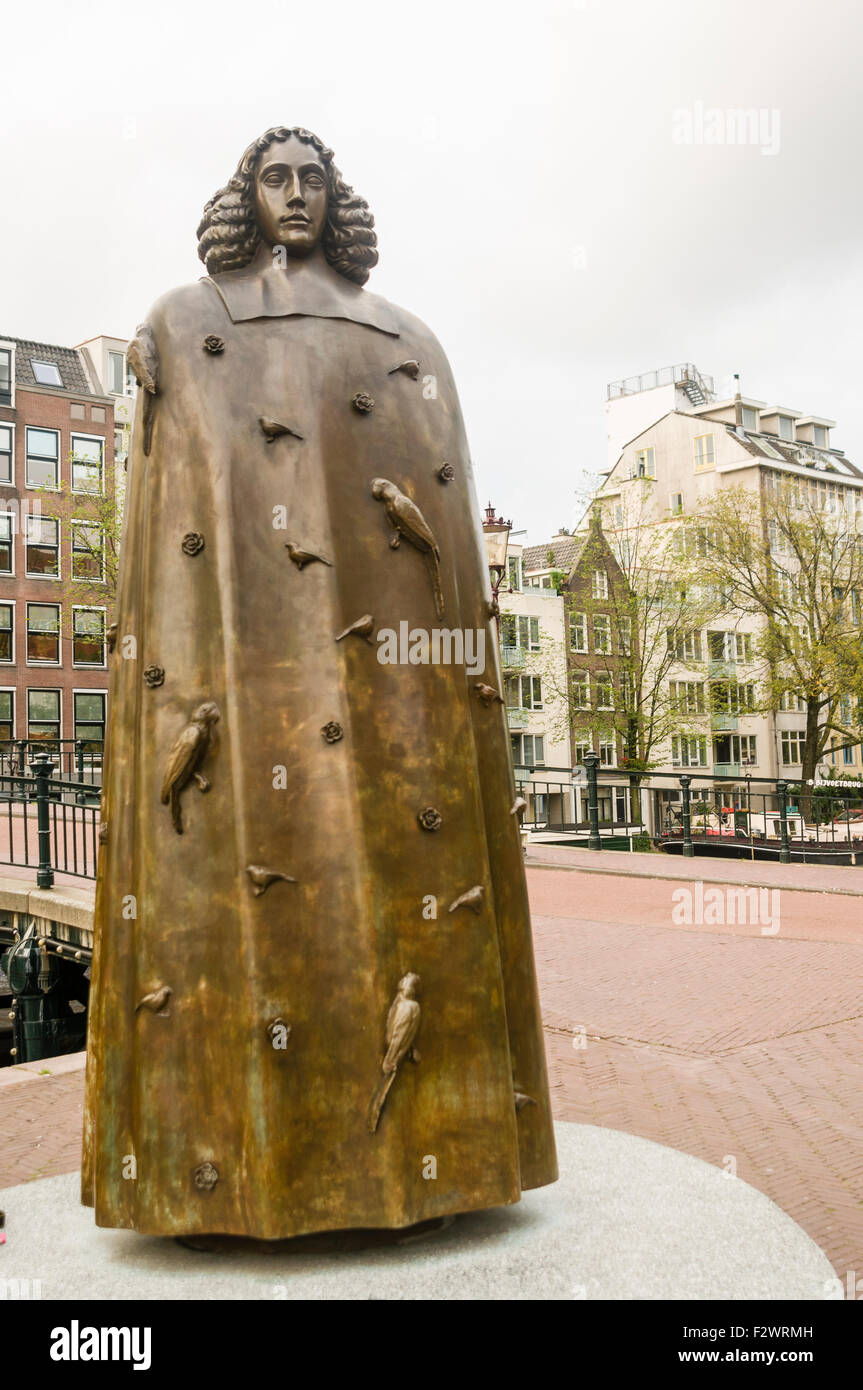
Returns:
point(229, 236)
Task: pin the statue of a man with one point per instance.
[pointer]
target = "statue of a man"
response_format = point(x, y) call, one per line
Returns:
point(314, 1002)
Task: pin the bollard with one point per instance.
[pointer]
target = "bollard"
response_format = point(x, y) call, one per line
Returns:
point(686, 816)
point(590, 763)
point(782, 797)
point(42, 769)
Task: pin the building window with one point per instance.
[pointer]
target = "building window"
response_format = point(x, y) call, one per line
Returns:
point(7, 715)
point(87, 459)
point(528, 750)
point(600, 584)
point(786, 427)
point(607, 750)
point(793, 743)
point(7, 554)
point(43, 714)
point(604, 692)
point(6, 453)
point(581, 690)
point(530, 692)
point(116, 374)
point(688, 752)
point(750, 418)
point(88, 636)
point(727, 697)
point(43, 452)
point(676, 500)
point(90, 719)
point(687, 697)
point(704, 458)
point(513, 570)
point(582, 748)
point(792, 701)
point(43, 633)
point(846, 710)
point(735, 748)
point(88, 552)
point(534, 750)
point(7, 632)
point(685, 645)
point(645, 464)
point(523, 692)
point(730, 646)
point(847, 755)
point(46, 373)
point(5, 376)
point(43, 547)
point(601, 633)
point(624, 636)
point(819, 436)
point(578, 632)
point(528, 634)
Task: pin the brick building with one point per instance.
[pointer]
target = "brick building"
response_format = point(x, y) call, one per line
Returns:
point(57, 441)
point(601, 639)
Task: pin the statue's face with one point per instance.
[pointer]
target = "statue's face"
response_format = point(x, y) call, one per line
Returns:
point(291, 196)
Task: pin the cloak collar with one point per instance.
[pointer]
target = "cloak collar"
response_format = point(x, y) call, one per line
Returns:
point(270, 293)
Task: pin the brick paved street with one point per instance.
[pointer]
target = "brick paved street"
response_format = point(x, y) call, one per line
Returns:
point(741, 1048)
point(718, 1041)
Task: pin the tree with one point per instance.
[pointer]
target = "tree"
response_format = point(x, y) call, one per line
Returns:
point(663, 611)
point(90, 529)
point(779, 554)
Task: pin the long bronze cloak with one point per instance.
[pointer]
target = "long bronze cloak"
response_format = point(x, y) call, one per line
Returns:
point(239, 1021)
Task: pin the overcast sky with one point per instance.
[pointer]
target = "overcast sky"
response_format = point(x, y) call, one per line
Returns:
point(533, 199)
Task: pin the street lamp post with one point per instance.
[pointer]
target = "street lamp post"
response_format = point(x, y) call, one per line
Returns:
point(496, 532)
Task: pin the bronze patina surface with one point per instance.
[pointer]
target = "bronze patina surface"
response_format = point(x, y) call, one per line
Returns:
point(314, 1005)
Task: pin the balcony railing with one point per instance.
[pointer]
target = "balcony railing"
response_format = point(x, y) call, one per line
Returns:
point(512, 657)
point(723, 722)
point(720, 669)
point(517, 718)
point(726, 769)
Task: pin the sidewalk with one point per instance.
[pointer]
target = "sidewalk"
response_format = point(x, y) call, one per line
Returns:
point(813, 878)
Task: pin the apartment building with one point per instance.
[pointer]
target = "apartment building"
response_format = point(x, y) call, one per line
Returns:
point(533, 662)
point(57, 456)
point(673, 441)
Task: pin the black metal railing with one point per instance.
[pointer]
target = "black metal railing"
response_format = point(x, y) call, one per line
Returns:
point(691, 812)
point(47, 823)
point(74, 758)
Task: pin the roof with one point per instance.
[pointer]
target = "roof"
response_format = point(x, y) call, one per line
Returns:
point(795, 451)
point(67, 361)
point(567, 551)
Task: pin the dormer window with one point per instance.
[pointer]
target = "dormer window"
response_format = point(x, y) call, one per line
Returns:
point(116, 373)
point(786, 426)
point(5, 376)
point(819, 436)
point(46, 373)
point(750, 418)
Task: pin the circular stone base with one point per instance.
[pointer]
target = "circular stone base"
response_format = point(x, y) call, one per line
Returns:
point(628, 1219)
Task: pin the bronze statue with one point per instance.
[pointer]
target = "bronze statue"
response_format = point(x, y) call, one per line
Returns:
point(353, 805)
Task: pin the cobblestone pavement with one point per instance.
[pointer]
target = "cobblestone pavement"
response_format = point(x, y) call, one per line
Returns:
point(741, 1048)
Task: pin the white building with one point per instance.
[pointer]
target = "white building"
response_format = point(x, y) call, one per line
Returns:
point(672, 443)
